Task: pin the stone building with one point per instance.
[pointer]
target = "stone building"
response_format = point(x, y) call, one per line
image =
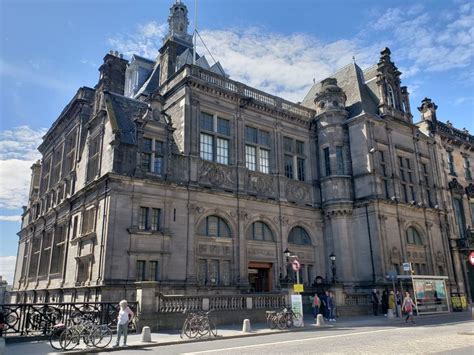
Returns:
point(171, 172)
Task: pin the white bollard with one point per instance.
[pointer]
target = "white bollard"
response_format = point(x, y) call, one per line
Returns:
point(319, 320)
point(146, 335)
point(246, 326)
point(390, 313)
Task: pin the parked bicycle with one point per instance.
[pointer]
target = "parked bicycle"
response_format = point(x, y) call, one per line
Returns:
point(86, 329)
point(198, 324)
point(286, 318)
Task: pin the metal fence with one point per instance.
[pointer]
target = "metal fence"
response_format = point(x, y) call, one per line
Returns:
point(38, 319)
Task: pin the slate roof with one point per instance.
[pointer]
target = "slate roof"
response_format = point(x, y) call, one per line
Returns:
point(122, 112)
point(352, 80)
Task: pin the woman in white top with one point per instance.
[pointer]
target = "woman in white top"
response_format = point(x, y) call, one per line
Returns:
point(124, 317)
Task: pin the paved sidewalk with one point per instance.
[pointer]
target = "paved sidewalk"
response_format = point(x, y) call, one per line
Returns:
point(235, 331)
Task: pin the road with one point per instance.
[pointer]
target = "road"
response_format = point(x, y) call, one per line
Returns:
point(453, 338)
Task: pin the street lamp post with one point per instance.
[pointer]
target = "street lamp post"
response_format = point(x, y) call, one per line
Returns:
point(287, 254)
point(333, 266)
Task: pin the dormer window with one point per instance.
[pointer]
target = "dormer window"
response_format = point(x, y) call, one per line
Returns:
point(391, 96)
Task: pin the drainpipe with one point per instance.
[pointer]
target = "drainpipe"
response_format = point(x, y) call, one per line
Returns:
point(370, 244)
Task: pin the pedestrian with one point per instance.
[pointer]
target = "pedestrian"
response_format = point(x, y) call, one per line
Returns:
point(398, 299)
point(391, 304)
point(315, 303)
point(407, 307)
point(125, 316)
point(375, 302)
point(332, 307)
point(384, 302)
point(325, 305)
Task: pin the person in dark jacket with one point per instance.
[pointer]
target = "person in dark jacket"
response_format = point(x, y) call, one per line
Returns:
point(325, 306)
point(375, 302)
point(384, 302)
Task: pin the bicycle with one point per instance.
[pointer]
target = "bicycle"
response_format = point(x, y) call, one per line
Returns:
point(198, 324)
point(287, 318)
point(272, 319)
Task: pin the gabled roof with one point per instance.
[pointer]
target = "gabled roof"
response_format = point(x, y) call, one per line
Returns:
point(122, 112)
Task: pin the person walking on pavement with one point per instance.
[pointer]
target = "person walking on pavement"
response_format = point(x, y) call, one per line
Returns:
point(375, 302)
point(325, 304)
point(407, 307)
point(125, 316)
point(391, 304)
point(384, 302)
point(398, 299)
point(332, 307)
point(315, 303)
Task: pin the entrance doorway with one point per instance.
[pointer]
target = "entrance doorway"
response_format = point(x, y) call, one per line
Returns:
point(260, 276)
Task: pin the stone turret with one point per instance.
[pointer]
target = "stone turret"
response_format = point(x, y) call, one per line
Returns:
point(176, 41)
point(330, 98)
point(428, 110)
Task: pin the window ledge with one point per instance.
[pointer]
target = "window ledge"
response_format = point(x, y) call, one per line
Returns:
point(146, 232)
point(87, 236)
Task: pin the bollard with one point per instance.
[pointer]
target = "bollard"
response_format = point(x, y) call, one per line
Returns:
point(146, 335)
point(2, 346)
point(246, 326)
point(319, 320)
point(390, 314)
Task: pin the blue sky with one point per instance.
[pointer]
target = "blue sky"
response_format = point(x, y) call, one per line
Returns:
point(50, 48)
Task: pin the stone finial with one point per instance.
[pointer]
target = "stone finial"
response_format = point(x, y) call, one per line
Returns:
point(385, 55)
point(428, 109)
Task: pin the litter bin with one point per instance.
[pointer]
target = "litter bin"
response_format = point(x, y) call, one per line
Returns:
point(456, 302)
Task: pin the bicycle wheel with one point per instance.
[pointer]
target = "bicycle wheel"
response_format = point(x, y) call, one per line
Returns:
point(190, 328)
point(69, 339)
point(212, 328)
point(281, 321)
point(101, 336)
point(55, 337)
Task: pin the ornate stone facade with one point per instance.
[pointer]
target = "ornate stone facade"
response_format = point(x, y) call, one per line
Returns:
point(198, 182)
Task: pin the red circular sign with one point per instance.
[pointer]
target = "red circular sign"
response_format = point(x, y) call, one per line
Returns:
point(295, 264)
point(471, 258)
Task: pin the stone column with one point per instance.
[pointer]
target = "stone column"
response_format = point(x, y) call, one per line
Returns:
point(147, 314)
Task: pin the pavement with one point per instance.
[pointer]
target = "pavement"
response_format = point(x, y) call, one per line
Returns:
point(235, 331)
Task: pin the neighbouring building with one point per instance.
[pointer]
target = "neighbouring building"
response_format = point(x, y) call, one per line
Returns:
point(171, 172)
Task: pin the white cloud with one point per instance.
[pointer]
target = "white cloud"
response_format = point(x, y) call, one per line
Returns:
point(10, 218)
point(7, 268)
point(422, 40)
point(18, 151)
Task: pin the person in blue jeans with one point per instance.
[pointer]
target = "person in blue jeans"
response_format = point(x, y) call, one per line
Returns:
point(124, 317)
point(315, 303)
point(331, 307)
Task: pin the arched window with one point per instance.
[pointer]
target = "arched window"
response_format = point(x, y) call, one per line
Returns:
point(214, 226)
point(413, 237)
point(299, 236)
point(390, 96)
point(260, 231)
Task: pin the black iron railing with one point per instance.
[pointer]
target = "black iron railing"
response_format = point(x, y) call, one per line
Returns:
point(38, 319)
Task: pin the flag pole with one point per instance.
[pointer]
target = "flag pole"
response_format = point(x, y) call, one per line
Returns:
point(195, 30)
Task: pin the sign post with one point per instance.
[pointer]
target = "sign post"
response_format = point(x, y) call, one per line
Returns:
point(296, 266)
point(297, 300)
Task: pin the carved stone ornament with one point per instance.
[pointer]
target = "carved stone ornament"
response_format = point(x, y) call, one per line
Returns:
point(456, 187)
point(297, 191)
point(261, 184)
point(215, 174)
point(470, 190)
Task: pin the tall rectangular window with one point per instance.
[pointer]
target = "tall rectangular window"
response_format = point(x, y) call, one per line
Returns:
point(214, 138)
point(152, 155)
point(264, 161)
point(250, 157)
point(58, 250)
point(207, 147)
point(300, 165)
point(45, 253)
point(459, 214)
point(70, 152)
point(406, 179)
point(156, 219)
point(88, 221)
point(141, 270)
point(93, 157)
point(289, 166)
point(35, 253)
point(327, 162)
point(257, 155)
point(339, 161)
point(467, 169)
point(154, 271)
point(452, 171)
point(383, 171)
point(222, 151)
point(143, 221)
